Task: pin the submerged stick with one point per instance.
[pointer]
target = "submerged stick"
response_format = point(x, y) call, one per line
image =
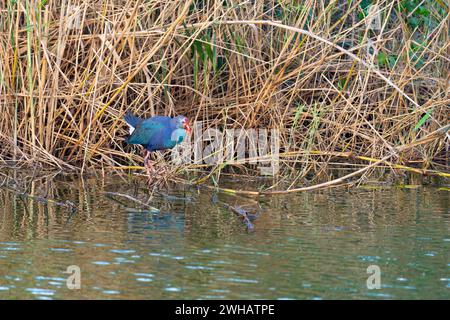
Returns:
point(240, 212)
point(126, 196)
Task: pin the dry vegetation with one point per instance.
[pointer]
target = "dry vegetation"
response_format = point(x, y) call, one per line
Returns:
point(337, 87)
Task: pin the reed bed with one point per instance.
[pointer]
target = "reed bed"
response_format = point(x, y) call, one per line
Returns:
point(343, 82)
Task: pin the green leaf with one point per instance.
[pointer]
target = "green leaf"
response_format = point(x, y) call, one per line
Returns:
point(392, 59)
point(42, 3)
point(407, 5)
point(199, 49)
point(214, 54)
point(364, 4)
point(382, 59)
point(221, 62)
point(298, 113)
point(341, 84)
point(413, 22)
point(423, 11)
point(195, 71)
point(209, 51)
point(422, 120)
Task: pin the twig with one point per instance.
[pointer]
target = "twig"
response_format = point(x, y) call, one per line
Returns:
point(112, 194)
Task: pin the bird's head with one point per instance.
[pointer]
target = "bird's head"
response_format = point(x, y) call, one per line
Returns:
point(182, 123)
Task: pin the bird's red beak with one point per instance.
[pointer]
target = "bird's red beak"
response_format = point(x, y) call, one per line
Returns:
point(187, 127)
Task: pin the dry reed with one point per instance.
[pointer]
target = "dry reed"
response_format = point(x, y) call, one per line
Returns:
point(335, 87)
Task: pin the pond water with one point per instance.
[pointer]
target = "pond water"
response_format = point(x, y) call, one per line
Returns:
point(315, 245)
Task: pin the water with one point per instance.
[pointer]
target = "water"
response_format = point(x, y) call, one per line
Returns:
point(304, 246)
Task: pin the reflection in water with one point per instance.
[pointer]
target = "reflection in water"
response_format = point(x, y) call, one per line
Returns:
point(309, 245)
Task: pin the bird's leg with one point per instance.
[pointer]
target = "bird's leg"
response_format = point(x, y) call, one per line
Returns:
point(148, 167)
point(147, 156)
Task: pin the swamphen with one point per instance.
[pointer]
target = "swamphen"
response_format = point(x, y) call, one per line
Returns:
point(156, 133)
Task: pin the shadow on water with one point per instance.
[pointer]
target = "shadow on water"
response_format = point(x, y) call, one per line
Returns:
point(309, 245)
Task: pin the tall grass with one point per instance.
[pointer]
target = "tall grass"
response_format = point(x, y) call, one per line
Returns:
point(336, 87)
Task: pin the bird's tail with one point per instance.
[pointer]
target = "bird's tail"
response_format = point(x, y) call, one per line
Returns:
point(131, 120)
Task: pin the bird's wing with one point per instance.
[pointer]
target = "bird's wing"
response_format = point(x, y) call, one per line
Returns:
point(145, 130)
point(131, 119)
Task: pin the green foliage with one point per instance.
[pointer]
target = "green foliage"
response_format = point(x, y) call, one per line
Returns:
point(422, 16)
point(422, 120)
point(416, 55)
point(42, 3)
point(364, 6)
point(204, 53)
point(419, 15)
point(421, 19)
point(387, 60)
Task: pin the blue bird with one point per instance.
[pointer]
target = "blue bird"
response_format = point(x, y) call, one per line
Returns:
point(156, 133)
